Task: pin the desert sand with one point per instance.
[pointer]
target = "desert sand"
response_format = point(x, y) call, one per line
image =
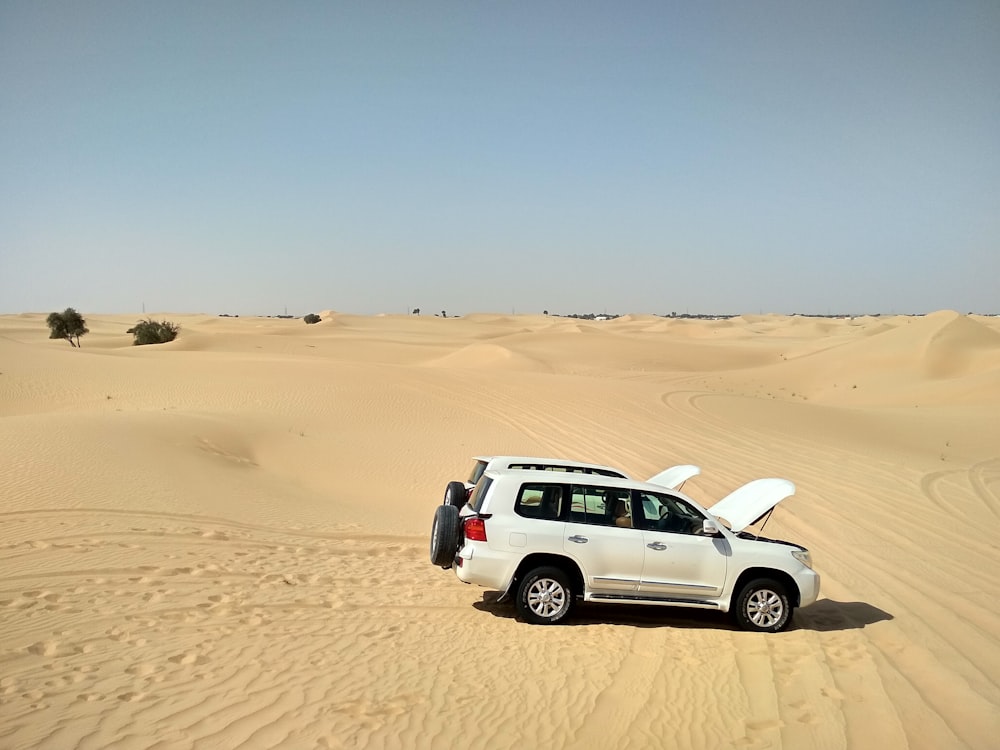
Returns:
point(222, 542)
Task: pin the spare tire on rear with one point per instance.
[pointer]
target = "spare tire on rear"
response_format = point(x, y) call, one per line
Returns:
point(456, 494)
point(444, 535)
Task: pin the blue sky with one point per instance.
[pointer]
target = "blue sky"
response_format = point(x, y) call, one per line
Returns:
point(370, 157)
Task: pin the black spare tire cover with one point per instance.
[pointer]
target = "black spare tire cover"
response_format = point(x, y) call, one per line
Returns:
point(444, 535)
point(456, 494)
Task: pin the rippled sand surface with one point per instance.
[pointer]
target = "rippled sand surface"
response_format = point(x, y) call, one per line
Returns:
point(221, 542)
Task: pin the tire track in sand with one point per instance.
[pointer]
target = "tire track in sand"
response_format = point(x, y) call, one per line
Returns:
point(196, 630)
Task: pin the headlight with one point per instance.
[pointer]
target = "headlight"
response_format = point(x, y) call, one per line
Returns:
point(803, 556)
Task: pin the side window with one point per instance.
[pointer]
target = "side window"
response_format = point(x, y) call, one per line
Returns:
point(662, 512)
point(543, 501)
point(601, 506)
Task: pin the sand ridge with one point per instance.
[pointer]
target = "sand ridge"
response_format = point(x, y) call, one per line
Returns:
point(222, 541)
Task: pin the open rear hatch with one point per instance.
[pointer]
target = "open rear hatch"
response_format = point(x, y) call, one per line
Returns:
point(675, 476)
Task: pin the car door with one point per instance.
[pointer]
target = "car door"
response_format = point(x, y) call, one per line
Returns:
point(610, 554)
point(537, 525)
point(679, 562)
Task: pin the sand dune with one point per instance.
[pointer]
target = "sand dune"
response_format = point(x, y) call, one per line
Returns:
point(222, 541)
point(487, 356)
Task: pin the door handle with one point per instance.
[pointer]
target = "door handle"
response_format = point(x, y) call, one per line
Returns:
point(658, 546)
point(578, 539)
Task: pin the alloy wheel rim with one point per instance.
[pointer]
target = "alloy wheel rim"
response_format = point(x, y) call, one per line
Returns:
point(546, 597)
point(765, 608)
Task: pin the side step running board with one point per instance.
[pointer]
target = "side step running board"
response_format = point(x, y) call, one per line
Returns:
point(632, 598)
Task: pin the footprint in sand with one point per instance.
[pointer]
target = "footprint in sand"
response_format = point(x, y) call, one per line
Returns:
point(117, 634)
point(44, 648)
point(255, 620)
point(763, 726)
point(189, 658)
point(141, 670)
point(832, 693)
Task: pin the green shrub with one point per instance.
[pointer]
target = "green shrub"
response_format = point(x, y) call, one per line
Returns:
point(67, 325)
point(153, 332)
point(312, 318)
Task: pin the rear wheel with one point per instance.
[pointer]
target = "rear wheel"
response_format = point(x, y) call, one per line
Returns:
point(763, 606)
point(445, 535)
point(456, 494)
point(545, 596)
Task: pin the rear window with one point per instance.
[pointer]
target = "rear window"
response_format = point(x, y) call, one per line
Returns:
point(544, 501)
point(477, 472)
point(482, 487)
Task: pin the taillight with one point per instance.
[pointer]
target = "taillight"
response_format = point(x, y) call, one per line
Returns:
point(475, 529)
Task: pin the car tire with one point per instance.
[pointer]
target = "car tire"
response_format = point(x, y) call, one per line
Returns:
point(545, 596)
point(763, 606)
point(456, 495)
point(445, 535)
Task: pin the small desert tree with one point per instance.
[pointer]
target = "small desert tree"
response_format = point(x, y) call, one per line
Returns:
point(68, 324)
point(150, 331)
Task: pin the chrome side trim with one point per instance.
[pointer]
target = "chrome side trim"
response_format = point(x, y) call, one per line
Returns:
point(626, 581)
point(671, 584)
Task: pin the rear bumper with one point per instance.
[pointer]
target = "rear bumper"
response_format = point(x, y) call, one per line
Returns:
point(477, 563)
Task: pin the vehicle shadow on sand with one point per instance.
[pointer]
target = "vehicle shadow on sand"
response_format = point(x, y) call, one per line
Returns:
point(823, 616)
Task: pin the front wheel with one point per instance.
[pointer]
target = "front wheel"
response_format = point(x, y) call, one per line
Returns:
point(545, 596)
point(763, 606)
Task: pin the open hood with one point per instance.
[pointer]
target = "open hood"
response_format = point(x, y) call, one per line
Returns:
point(749, 503)
point(675, 476)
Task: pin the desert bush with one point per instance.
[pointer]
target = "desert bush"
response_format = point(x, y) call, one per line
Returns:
point(67, 325)
point(312, 318)
point(150, 331)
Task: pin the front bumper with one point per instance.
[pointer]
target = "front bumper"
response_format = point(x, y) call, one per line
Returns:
point(808, 582)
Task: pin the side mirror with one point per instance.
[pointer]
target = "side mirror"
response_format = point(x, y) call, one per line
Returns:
point(709, 528)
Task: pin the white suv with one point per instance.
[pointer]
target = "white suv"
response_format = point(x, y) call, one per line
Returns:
point(548, 538)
